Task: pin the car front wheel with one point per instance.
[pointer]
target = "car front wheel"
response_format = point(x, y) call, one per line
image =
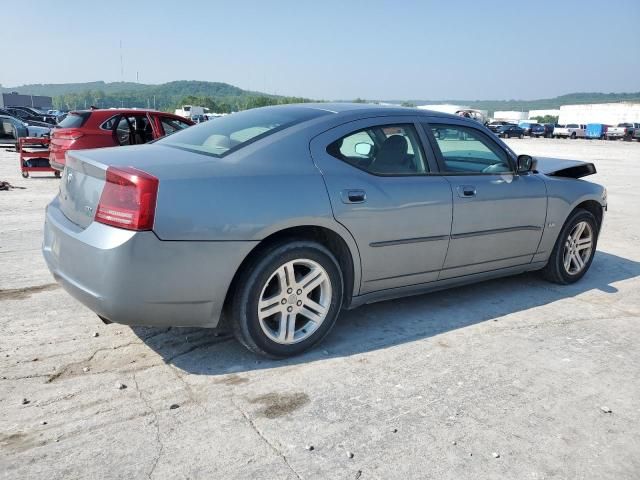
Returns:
point(575, 247)
point(288, 299)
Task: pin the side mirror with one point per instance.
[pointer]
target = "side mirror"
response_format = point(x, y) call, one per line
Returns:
point(525, 163)
point(363, 148)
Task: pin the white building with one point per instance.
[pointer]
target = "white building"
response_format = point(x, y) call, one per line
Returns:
point(544, 113)
point(510, 116)
point(607, 113)
point(444, 108)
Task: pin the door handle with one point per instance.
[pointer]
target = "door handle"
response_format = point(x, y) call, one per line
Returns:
point(466, 191)
point(353, 196)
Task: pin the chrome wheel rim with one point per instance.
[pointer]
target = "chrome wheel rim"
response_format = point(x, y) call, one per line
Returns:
point(294, 301)
point(577, 248)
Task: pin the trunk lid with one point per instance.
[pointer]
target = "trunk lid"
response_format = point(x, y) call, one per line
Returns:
point(80, 189)
point(84, 175)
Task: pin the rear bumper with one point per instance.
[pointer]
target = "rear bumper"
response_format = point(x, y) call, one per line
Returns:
point(135, 278)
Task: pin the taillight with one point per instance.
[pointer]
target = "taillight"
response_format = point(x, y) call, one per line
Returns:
point(128, 199)
point(69, 135)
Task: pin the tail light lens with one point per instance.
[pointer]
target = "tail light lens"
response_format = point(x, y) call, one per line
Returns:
point(128, 199)
point(69, 135)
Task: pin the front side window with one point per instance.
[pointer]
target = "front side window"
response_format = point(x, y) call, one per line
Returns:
point(382, 150)
point(465, 150)
point(232, 132)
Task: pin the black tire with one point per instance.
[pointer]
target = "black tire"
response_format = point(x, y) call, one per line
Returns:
point(573, 135)
point(555, 271)
point(25, 174)
point(244, 320)
point(521, 135)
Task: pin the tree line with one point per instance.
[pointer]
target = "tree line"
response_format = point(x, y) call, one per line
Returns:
point(101, 99)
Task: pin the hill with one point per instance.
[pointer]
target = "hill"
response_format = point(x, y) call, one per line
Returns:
point(218, 96)
point(223, 97)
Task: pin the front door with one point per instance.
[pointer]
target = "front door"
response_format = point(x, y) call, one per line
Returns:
point(498, 216)
point(382, 189)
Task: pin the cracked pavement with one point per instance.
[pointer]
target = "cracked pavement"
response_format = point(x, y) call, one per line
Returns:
point(422, 387)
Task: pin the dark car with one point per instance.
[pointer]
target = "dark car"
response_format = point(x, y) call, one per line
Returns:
point(532, 129)
point(548, 130)
point(508, 131)
point(34, 123)
point(536, 130)
point(494, 126)
point(31, 114)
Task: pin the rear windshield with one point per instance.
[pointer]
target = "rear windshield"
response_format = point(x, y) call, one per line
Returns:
point(74, 120)
point(572, 125)
point(224, 135)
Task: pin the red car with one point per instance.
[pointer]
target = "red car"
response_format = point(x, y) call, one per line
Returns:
point(109, 128)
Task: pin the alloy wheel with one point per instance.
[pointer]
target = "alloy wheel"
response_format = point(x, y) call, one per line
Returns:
point(577, 248)
point(295, 301)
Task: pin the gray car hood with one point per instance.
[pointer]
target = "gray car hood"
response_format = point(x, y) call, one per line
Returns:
point(559, 167)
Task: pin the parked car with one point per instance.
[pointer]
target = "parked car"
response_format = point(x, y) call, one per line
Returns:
point(495, 125)
point(32, 114)
point(34, 123)
point(282, 216)
point(548, 130)
point(109, 128)
point(12, 128)
point(571, 130)
point(636, 134)
point(622, 130)
point(508, 131)
point(596, 131)
point(532, 129)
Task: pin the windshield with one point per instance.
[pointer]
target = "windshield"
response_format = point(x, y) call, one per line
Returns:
point(232, 132)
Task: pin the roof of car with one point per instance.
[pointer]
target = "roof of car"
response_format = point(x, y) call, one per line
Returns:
point(340, 107)
point(118, 110)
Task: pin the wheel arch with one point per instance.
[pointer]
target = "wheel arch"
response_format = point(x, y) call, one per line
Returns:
point(341, 244)
point(592, 206)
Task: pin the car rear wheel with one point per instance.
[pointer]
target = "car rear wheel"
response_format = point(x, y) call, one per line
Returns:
point(288, 299)
point(575, 247)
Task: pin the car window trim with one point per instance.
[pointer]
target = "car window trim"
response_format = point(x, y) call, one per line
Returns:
point(426, 126)
point(383, 122)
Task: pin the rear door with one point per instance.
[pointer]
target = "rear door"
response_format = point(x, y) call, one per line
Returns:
point(383, 189)
point(498, 216)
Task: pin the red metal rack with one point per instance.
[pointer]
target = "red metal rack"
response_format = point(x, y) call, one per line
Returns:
point(34, 148)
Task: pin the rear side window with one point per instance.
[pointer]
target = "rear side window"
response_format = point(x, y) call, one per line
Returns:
point(232, 132)
point(74, 120)
point(171, 125)
point(382, 150)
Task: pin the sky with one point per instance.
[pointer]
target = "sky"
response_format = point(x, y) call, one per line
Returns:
point(328, 49)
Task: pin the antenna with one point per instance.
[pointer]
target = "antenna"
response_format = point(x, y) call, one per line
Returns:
point(121, 65)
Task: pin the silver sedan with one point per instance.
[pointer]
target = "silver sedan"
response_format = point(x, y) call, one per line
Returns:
point(277, 218)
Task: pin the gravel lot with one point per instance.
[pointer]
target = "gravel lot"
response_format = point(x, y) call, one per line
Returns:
point(515, 378)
